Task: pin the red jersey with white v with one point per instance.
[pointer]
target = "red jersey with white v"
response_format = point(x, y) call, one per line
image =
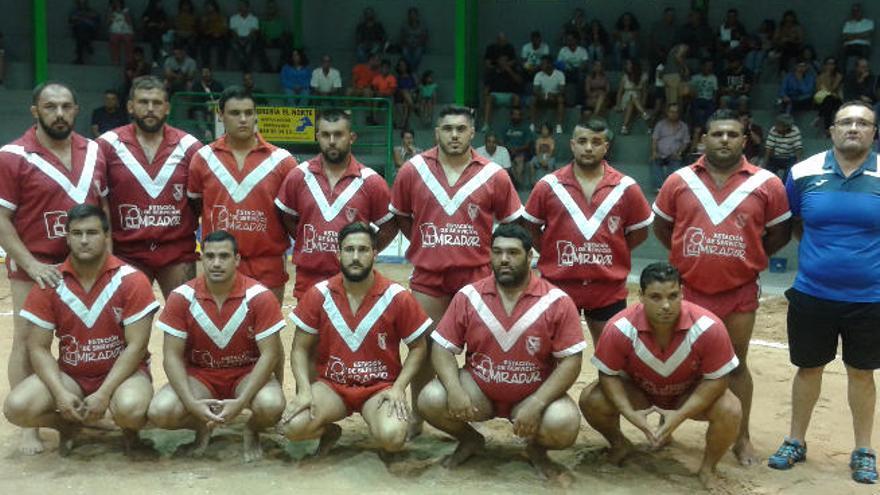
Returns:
point(148, 200)
point(40, 190)
point(242, 202)
point(90, 325)
point(717, 232)
point(360, 195)
point(226, 337)
point(700, 348)
point(452, 225)
point(362, 348)
point(586, 239)
point(510, 356)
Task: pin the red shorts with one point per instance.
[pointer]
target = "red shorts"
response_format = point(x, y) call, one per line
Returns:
point(743, 299)
point(354, 397)
point(152, 257)
point(90, 384)
point(267, 270)
point(305, 280)
point(590, 295)
point(221, 382)
point(16, 273)
point(446, 284)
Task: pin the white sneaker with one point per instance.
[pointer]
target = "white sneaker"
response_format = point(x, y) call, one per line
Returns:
point(558, 129)
point(532, 127)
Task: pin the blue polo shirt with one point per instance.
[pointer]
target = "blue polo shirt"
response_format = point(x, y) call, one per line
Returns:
point(839, 253)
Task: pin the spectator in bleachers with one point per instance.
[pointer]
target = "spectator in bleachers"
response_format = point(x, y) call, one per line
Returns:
point(704, 86)
point(84, 22)
point(272, 35)
point(214, 35)
point(697, 35)
point(675, 72)
point(407, 148)
point(664, 34)
point(207, 83)
point(362, 75)
point(754, 146)
point(784, 147)
point(735, 84)
point(572, 59)
point(576, 24)
point(204, 107)
point(413, 39)
point(180, 71)
point(730, 34)
point(797, 89)
point(788, 40)
point(597, 88)
point(494, 151)
point(136, 67)
point(154, 23)
point(503, 86)
point(250, 85)
point(808, 55)
point(596, 42)
point(829, 92)
point(427, 97)
point(669, 141)
point(109, 116)
point(405, 97)
point(501, 46)
point(326, 80)
point(857, 33)
point(860, 84)
point(244, 28)
point(296, 75)
point(186, 26)
point(632, 93)
point(121, 32)
point(532, 53)
point(369, 36)
point(544, 155)
point(517, 137)
point(383, 85)
point(549, 91)
point(759, 46)
point(626, 38)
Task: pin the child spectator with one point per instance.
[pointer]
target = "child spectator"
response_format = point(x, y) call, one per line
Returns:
point(783, 147)
point(427, 97)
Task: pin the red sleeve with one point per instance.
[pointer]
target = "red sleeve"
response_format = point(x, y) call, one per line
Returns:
point(777, 209)
point(535, 210)
point(267, 315)
point(139, 299)
point(10, 166)
point(37, 308)
point(401, 191)
point(664, 205)
point(638, 211)
point(194, 186)
point(172, 320)
point(410, 320)
point(100, 177)
point(307, 314)
point(380, 198)
point(507, 206)
point(451, 330)
point(612, 350)
point(288, 192)
point(717, 357)
point(286, 166)
point(568, 337)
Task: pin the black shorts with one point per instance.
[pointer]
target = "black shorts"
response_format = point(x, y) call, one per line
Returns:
point(606, 312)
point(814, 325)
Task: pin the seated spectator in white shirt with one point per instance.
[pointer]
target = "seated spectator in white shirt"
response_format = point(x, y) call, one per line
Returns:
point(532, 52)
point(245, 28)
point(857, 32)
point(326, 80)
point(549, 89)
point(495, 152)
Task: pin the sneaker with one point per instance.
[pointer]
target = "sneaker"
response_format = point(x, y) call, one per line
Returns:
point(863, 463)
point(558, 129)
point(789, 453)
point(532, 127)
point(624, 130)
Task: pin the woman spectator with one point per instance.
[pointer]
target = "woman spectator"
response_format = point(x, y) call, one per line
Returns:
point(829, 92)
point(596, 41)
point(631, 93)
point(186, 27)
point(296, 76)
point(797, 90)
point(808, 55)
point(214, 31)
point(788, 40)
point(155, 23)
point(596, 88)
point(544, 160)
point(413, 39)
point(121, 31)
point(405, 95)
point(427, 97)
point(626, 37)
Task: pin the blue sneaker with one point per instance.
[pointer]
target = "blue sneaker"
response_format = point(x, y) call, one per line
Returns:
point(789, 453)
point(863, 463)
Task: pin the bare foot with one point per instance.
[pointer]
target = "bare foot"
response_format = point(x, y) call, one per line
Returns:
point(31, 444)
point(468, 446)
point(745, 453)
point(66, 436)
point(331, 435)
point(135, 447)
point(618, 452)
point(251, 446)
point(199, 446)
point(546, 467)
point(710, 480)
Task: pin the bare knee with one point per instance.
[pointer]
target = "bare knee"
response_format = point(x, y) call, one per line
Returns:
point(864, 377)
point(166, 411)
point(727, 409)
point(432, 400)
point(559, 425)
point(812, 373)
point(300, 427)
point(592, 401)
point(268, 407)
point(18, 409)
point(130, 409)
point(390, 433)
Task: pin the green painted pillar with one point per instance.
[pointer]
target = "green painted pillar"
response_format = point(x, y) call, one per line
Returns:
point(41, 43)
point(474, 58)
point(297, 24)
point(461, 45)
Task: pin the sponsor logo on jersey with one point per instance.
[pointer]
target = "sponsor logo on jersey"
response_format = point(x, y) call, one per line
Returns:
point(473, 210)
point(533, 344)
point(314, 241)
point(56, 224)
point(380, 337)
point(132, 217)
point(75, 353)
point(350, 213)
point(178, 192)
point(507, 372)
point(613, 223)
point(117, 314)
point(452, 234)
point(238, 219)
point(587, 253)
point(698, 243)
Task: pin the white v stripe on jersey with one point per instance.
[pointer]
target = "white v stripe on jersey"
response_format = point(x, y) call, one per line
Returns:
point(328, 211)
point(153, 187)
point(221, 337)
point(238, 191)
point(587, 226)
point(505, 337)
point(717, 213)
point(354, 338)
point(451, 205)
point(77, 193)
point(668, 367)
point(90, 315)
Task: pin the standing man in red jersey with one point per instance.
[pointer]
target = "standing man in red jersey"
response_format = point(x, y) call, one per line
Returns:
point(586, 218)
point(147, 169)
point(445, 201)
point(43, 174)
point(721, 218)
point(327, 193)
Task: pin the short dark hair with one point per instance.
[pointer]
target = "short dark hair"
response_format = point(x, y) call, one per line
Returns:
point(535, 33)
point(357, 228)
point(146, 83)
point(334, 115)
point(235, 93)
point(855, 103)
point(111, 92)
point(456, 110)
point(718, 115)
point(514, 231)
point(546, 58)
point(39, 88)
point(594, 124)
point(661, 272)
point(222, 236)
point(405, 131)
point(81, 212)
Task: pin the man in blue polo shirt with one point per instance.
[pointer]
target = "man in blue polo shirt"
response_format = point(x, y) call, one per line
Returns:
point(834, 197)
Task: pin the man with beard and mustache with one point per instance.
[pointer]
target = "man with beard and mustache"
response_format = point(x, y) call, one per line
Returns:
point(147, 168)
point(326, 193)
point(524, 349)
point(43, 174)
point(836, 294)
point(445, 201)
point(586, 219)
point(721, 218)
point(349, 330)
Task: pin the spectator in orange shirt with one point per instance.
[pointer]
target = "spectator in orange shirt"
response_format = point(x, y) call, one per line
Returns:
point(362, 77)
point(384, 85)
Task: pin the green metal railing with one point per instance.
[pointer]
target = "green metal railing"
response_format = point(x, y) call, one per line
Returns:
point(194, 113)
